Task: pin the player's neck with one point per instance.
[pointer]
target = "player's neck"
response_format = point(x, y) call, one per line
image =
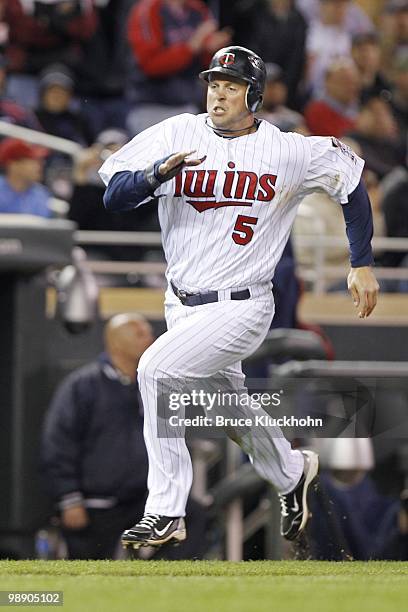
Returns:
point(234, 132)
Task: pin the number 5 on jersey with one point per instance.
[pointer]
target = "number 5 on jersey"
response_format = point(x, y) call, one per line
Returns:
point(243, 231)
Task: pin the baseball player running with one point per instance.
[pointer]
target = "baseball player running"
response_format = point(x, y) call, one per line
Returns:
point(228, 186)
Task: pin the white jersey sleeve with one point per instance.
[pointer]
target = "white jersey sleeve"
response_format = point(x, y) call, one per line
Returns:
point(147, 147)
point(334, 168)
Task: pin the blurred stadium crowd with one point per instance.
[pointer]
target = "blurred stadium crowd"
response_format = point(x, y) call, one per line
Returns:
point(97, 72)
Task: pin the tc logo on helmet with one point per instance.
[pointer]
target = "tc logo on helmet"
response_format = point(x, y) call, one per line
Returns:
point(228, 59)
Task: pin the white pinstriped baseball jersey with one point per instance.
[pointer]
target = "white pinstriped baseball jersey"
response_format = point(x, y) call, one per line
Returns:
point(225, 223)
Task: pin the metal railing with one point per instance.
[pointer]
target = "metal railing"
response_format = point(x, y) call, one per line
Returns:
point(319, 273)
point(62, 145)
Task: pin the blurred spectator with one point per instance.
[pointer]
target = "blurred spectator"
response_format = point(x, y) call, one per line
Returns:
point(42, 32)
point(102, 77)
point(327, 40)
point(399, 99)
point(377, 133)
point(20, 188)
point(319, 215)
point(366, 53)
point(395, 207)
point(55, 111)
point(356, 20)
point(86, 204)
point(171, 40)
point(274, 107)
point(394, 32)
point(10, 111)
point(351, 519)
point(277, 32)
point(86, 207)
point(58, 115)
point(335, 112)
point(93, 453)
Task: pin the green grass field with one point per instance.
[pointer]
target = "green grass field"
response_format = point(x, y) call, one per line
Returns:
point(214, 586)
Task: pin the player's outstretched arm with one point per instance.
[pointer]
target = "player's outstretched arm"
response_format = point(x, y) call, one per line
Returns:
point(363, 288)
point(126, 189)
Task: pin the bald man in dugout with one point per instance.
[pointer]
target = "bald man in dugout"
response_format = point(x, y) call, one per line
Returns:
point(126, 337)
point(93, 453)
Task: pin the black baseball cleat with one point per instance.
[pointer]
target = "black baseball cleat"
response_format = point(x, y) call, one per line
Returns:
point(294, 510)
point(154, 530)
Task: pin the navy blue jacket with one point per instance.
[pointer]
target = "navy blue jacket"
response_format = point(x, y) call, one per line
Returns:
point(92, 440)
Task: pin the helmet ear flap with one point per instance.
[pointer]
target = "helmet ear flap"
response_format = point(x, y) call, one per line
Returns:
point(253, 99)
point(259, 103)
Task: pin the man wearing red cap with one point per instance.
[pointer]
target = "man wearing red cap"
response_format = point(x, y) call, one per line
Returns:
point(20, 188)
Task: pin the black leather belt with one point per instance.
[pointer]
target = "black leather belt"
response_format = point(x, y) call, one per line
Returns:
point(196, 299)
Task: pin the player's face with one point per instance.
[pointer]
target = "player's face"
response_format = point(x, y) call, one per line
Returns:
point(226, 103)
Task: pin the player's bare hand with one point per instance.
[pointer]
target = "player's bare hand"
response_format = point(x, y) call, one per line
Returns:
point(178, 161)
point(75, 517)
point(364, 289)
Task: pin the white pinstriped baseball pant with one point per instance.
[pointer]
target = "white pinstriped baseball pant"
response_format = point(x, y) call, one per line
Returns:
point(204, 341)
